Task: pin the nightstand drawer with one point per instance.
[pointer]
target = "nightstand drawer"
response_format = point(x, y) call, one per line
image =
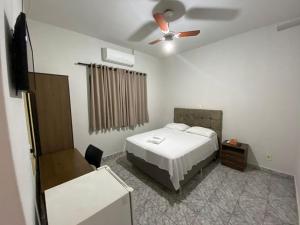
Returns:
point(234, 165)
point(233, 150)
point(232, 156)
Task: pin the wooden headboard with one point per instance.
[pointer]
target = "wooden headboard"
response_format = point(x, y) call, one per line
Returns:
point(200, 117)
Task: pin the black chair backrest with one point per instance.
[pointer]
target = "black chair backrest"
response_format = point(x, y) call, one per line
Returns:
point(93, 155)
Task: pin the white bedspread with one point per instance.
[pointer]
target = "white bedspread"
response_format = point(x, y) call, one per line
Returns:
point(177, 154)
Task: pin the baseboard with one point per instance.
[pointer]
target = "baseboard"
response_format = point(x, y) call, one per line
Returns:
point(297, 196)
point(113, 155)
point(271, 171)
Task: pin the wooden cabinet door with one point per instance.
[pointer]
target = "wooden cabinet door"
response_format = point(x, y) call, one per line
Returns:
point(53, 111)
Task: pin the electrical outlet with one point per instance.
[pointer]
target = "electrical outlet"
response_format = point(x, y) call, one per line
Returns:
point(269, 157)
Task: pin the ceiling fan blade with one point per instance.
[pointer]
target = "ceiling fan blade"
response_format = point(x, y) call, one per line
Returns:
point(212, 13)
point(188, 33)
point(155, 42)
point(161, 22)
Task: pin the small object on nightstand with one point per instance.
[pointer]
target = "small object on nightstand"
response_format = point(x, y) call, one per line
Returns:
point(233, 141)
point(234, 156)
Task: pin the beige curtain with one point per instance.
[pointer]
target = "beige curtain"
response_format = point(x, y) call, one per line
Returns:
point(118, 98)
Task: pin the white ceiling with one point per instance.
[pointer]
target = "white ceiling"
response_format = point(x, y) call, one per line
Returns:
point(125, 22)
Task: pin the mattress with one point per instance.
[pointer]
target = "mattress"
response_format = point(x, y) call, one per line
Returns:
point(177, 154)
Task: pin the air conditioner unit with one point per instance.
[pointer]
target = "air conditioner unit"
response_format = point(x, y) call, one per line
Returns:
point(117, 57)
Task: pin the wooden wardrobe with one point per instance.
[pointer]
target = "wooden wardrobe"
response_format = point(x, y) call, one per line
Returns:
point(51, 102)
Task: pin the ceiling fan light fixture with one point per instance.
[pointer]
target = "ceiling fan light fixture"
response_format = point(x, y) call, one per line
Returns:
point(169, 46)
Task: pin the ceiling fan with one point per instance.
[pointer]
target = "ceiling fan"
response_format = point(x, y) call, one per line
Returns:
point(168, 11)
point(169, 35)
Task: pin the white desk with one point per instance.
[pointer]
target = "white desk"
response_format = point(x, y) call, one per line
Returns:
point(97, 198)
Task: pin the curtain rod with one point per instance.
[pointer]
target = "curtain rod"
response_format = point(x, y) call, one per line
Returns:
point(99, 65)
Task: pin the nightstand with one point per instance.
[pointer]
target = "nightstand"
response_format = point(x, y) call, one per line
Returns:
point(234, 156)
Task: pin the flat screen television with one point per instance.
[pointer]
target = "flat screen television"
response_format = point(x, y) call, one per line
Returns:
point(19, 54)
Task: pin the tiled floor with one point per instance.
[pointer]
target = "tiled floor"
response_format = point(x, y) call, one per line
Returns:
point(221, 196)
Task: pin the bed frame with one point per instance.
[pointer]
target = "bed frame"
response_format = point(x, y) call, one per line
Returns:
point(193, 117)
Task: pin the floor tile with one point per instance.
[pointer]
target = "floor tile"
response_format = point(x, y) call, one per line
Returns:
point(211, 214)
point(161, 202)
point(258, 183)
point(151, 216)
point(271, 219)
point(181, 214)
point(204, 189)
point(282, 186)
point(195, 202)
point(226, 196)
point(236, 178)
point(215, 178)
point(284, 208)
point(238, 218)
point(252, 208)
point(135, 182)
point(122, 172)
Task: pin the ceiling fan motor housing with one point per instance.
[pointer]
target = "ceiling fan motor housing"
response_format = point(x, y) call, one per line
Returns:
point(169, 36)
point(168, 13)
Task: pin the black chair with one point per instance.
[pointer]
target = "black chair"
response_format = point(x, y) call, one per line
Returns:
point(93, 155)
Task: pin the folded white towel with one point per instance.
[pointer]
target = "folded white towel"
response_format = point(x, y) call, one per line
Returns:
point(156, 140)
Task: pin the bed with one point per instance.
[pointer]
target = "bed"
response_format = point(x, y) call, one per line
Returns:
point(181, 155)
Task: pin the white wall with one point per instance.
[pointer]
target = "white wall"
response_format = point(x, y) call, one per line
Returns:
point(10, 203)
point(56, 50)
point(297, 179)
point(17, 202)
point(254, 78)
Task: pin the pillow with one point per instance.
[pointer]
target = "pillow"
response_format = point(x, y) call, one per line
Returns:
point(178, 126)
point(201, 131)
